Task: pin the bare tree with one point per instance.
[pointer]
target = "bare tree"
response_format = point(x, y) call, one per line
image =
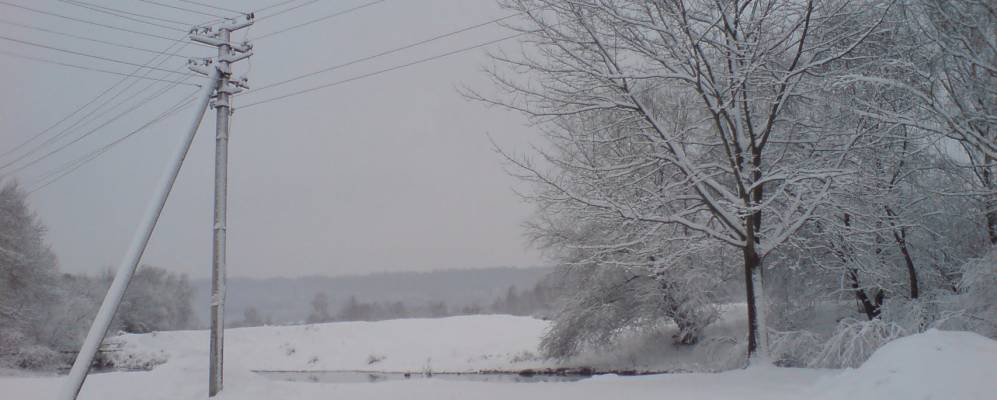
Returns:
point(320, 309)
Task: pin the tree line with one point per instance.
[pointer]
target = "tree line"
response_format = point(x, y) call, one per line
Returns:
point(45, 313)
point(537, 301)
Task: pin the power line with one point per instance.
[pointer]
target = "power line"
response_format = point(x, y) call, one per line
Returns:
point(117, 28)
point(186, 24)
point(378, 72)
point(91, 116)
point(89, 55)
point(278, 4)
point(386, 52)
point(81, 122)
point(90, 132)
point(333, 15)
point(284, 10)
point(90, 39)
point(12, 54)
point(214, 7)
point(95, 99)
point(121, 14)
point(68, 168)
point(182, 9)
point(39, 134)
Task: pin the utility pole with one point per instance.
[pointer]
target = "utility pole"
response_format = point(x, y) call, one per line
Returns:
point(98, 329)
point(228, 53)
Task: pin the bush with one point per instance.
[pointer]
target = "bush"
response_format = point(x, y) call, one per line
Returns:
point(37, 357)
point(794, 348)
point(853, 341)
point(974, 307)
point(603, 304)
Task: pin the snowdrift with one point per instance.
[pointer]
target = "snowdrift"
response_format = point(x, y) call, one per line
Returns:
point(941, 365)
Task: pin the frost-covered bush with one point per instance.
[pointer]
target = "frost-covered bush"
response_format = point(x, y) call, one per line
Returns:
point(853, 341)
point(599, 304)
point(132, 360)
point(974, 307)
point(603, 304)
point(11, 339)
point(794, 348)
point(36, 357)
point(722, 353)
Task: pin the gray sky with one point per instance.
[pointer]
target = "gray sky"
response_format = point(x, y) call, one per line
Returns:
point(388, 173)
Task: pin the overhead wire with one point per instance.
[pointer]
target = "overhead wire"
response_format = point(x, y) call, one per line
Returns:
point(77, 53)
point(66, 17)
point(82, 67)
point(96, 114)
point(74, 165)
point(67, 168)
point(82, 122)
point(118, 10)
point(192, 11)
point(286, 10)
point(214, 7)
point(123, 14)
point(322, 18)
point(384, 53)
point(381, 71)
point(134, 107)
point(275, 5)
point(134, 74)
point(89, 39)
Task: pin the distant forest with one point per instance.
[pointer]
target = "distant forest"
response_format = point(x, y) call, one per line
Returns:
point(281, 301)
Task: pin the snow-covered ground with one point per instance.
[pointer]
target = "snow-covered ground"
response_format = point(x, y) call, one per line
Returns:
point(933, 365)
point(455, 344)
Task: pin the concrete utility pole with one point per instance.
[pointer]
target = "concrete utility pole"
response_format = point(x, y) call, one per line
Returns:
point(228, 53)
point(81, 366)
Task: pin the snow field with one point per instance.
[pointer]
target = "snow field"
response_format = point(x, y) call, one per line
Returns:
point(932, 365)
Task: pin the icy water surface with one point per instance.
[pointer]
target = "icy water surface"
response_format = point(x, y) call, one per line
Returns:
point(374, 377)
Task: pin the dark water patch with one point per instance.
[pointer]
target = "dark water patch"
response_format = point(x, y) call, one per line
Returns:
point(525, 376)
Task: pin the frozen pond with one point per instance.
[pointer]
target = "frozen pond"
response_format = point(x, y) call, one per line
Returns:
point(374, 377)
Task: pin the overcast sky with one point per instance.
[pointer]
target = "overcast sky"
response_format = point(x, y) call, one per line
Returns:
point(388, 173)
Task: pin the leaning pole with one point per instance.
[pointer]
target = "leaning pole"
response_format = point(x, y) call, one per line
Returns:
point(81, 366)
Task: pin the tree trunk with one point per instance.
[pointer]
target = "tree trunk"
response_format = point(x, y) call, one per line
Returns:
point(753, 273)
point(755, 298)
point(990, 205)
point(900, 236)
point(872, 308)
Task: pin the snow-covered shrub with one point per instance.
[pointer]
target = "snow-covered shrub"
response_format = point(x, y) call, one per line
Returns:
point(596, 316)
point(11, 338)
point(853, 341)
point(36, 357)
point(974, 307)
point(603, 304)
point(722, 353)
point(132, 360)
point(794, 348)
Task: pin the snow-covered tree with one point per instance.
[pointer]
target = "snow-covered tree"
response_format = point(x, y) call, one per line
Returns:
point(27, 271)
point(680, 127)
point(947, 71)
